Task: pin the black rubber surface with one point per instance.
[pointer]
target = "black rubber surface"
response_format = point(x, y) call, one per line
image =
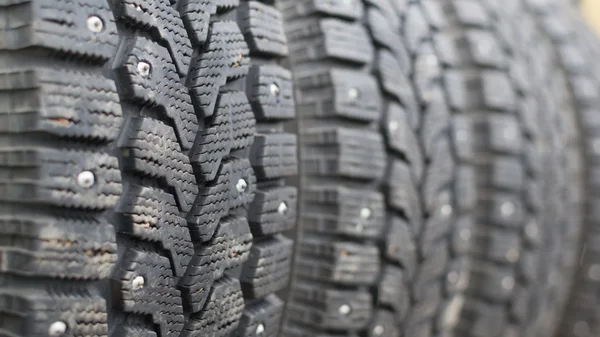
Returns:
point(450, 121)
point(578, 50)
point(142, 167)
point(512, 97)
point(386, 206)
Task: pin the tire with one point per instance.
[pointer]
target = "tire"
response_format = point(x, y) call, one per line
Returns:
point(526, 241)
point(385, 209)
point(578, 50)
point(142, 168)
point(438, 118)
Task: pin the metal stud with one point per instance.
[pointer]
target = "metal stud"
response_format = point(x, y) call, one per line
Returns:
point(596, 146)
point(345, 309)
point(509, 133)
point(365, 213)
point(507, 209)
point(594, 272)
point(283, 208)
point(241, 185)
point(138, 282)
point(378, 330)
point(86, 179)
point(275, 90)
point(581, 329)
point(531, 230)
point(260, 329)
point(144, 68)
point(453, 277)
point(484, 48)
point(508, 282)
point(353, 94)
point(465, 234)
point(57, 329)
point(95, 24)
point(452, 311)
point(446, 210)
point(393, 125)
point(512, 255)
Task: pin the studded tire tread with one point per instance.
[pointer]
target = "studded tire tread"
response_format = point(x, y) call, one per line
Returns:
point(144, 167)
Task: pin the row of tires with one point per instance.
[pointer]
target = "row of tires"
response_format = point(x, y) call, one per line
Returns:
point(299, 168)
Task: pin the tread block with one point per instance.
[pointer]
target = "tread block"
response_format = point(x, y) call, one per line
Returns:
point(498, 91)
point(419, 27)
point(508, 173)
point(195, 15)
point(505, 133)
point(472, 13)
point(320, 307)
point(482, 319)
point(433, 265)
point(400, 246)
point(62, 27)
point(402, 138)
point(134, 329)
point(485, 48)
point(157, 85)
point(225, 56)
point(221, 314)
point(345, 152)
point(465, 187)
point(421, 317)
point(45, 100)
point(339, 92)
point(435, 14)
point(460, 87)
point(438, 224)
point(330, 38)
point(273, 156)
point(393, 291)
point(458, 276)
point(383, 325)
point(462, 234)
point(395, 82)
point(29, 312)
point(268, 267)
point(229, 248)
point(338, 262)
point(270, 92)
point(233, 187)
point(403, 194)
point(527, 265)
point(343, 211)
point(150, 148)
point(152, 215)
point(346, 41)
point(231, 127)
point(262, 25)
point(384, 34)
point(496, 282)
point(386, 7)
point(427, 74)
point(157, 297)
point(267, 312)
point(163, 22)
point(439, 175)
point(273, 210)
point(337, 8)
point(55, 247)
point(49, 177)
